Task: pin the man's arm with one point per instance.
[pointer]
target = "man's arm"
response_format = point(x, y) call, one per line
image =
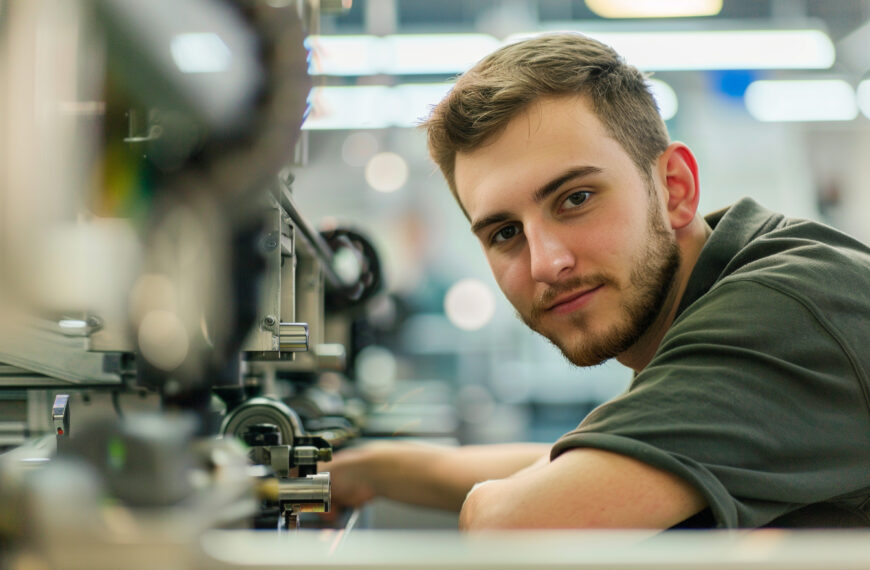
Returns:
point(426, 475)
point(583, 488)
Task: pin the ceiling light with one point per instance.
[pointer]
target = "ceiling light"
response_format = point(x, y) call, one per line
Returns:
point(360, 107)
point(412, 102)
point(805, 100)
point(401, 54)
point(412, 54)
point(344, 55)
point(723, 49)
point(373, 107)
point(654, 8)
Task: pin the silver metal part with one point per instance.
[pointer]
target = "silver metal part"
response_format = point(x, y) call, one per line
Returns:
point(277, 290)
point(306, 494)
point(280, 460)
point(39, 347)
point(263, 411)
point(293, 337)
point(310, 455)
point(60, 414)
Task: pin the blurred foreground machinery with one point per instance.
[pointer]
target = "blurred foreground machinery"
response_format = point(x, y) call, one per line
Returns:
point(163, 298)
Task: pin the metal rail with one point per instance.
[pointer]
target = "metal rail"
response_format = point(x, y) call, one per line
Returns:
point(321, 250)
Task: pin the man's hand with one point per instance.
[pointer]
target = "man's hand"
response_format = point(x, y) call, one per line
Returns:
point(583, 488)
point(349, 478)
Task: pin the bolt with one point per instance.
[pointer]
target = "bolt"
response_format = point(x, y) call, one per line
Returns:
point(270, 321)
point(270, 242)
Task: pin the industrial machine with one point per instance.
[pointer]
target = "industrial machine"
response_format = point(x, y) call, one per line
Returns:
point(163, 297)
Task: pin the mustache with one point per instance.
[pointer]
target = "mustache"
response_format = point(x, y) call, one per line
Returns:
point(546, 298)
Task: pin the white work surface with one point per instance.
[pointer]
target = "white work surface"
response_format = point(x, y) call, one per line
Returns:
point(369, 549)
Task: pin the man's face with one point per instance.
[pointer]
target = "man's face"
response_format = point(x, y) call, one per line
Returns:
point(576, 237)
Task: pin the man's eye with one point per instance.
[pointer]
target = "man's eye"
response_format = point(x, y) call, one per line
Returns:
point(504, 234)
point(575, 199)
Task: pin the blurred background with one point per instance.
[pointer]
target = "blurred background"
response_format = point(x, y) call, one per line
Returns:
point(173, 246)
point(770, 95)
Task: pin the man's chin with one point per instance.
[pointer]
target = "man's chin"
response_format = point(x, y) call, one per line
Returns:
point(585, 357)
point(592, 349)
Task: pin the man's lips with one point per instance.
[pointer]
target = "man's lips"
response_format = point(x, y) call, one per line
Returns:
point(572, 301)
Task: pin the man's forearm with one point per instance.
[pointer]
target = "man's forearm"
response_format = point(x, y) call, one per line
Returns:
point(583, 488)
point(427, 475)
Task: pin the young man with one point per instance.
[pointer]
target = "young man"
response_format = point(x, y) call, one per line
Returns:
point(747, 331)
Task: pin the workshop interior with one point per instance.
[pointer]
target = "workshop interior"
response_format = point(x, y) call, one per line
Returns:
point(225, 255)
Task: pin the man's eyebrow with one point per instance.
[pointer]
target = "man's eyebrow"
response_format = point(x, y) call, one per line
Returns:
point(488, 221)
point(540, 195)
point(556, 183)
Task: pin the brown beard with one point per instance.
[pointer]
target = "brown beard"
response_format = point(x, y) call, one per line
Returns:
point(650, 282)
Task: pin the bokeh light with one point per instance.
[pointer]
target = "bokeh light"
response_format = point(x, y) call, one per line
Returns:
point(469, 304)
point(386, 172)
point(358, 148)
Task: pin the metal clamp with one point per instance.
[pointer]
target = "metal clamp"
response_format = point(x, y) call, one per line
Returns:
point(293, 337)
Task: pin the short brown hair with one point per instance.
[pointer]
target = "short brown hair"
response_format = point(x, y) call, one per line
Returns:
point(504, 83)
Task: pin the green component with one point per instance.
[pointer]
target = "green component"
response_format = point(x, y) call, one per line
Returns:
point(117, 453)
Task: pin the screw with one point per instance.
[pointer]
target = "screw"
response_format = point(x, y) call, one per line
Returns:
point(270, 242)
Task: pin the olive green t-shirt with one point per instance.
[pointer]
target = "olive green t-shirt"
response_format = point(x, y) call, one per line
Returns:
point(759, 393)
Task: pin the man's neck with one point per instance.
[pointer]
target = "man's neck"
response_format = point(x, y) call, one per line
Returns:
point(690, 240)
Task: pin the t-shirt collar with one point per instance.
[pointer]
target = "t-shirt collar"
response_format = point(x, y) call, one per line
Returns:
point(733, 228)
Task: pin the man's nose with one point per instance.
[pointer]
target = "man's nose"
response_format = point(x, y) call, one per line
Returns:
point(551, 257)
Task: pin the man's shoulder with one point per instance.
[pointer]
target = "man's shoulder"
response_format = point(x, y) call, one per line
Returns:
point(805, 258)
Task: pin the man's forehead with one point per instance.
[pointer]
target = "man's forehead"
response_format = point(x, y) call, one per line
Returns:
point(541, 137)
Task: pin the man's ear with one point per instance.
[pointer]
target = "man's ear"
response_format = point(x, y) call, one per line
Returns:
point(679, 170)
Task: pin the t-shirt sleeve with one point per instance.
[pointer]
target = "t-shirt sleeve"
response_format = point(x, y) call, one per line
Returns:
point(752, 399)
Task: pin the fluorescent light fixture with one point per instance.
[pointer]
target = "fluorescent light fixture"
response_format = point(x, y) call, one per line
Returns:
point(412, 102)
point(412, 54)
point(665, 98)
point(654, 8)
point(72, 324)
point(200, 53)
point(403, 54)
point(373, 107)
point(864, 97)
point(348, 108)
point(344, 55)
point(444, 54)
point(804, 100)
point(407, 105)
point(732, 49)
